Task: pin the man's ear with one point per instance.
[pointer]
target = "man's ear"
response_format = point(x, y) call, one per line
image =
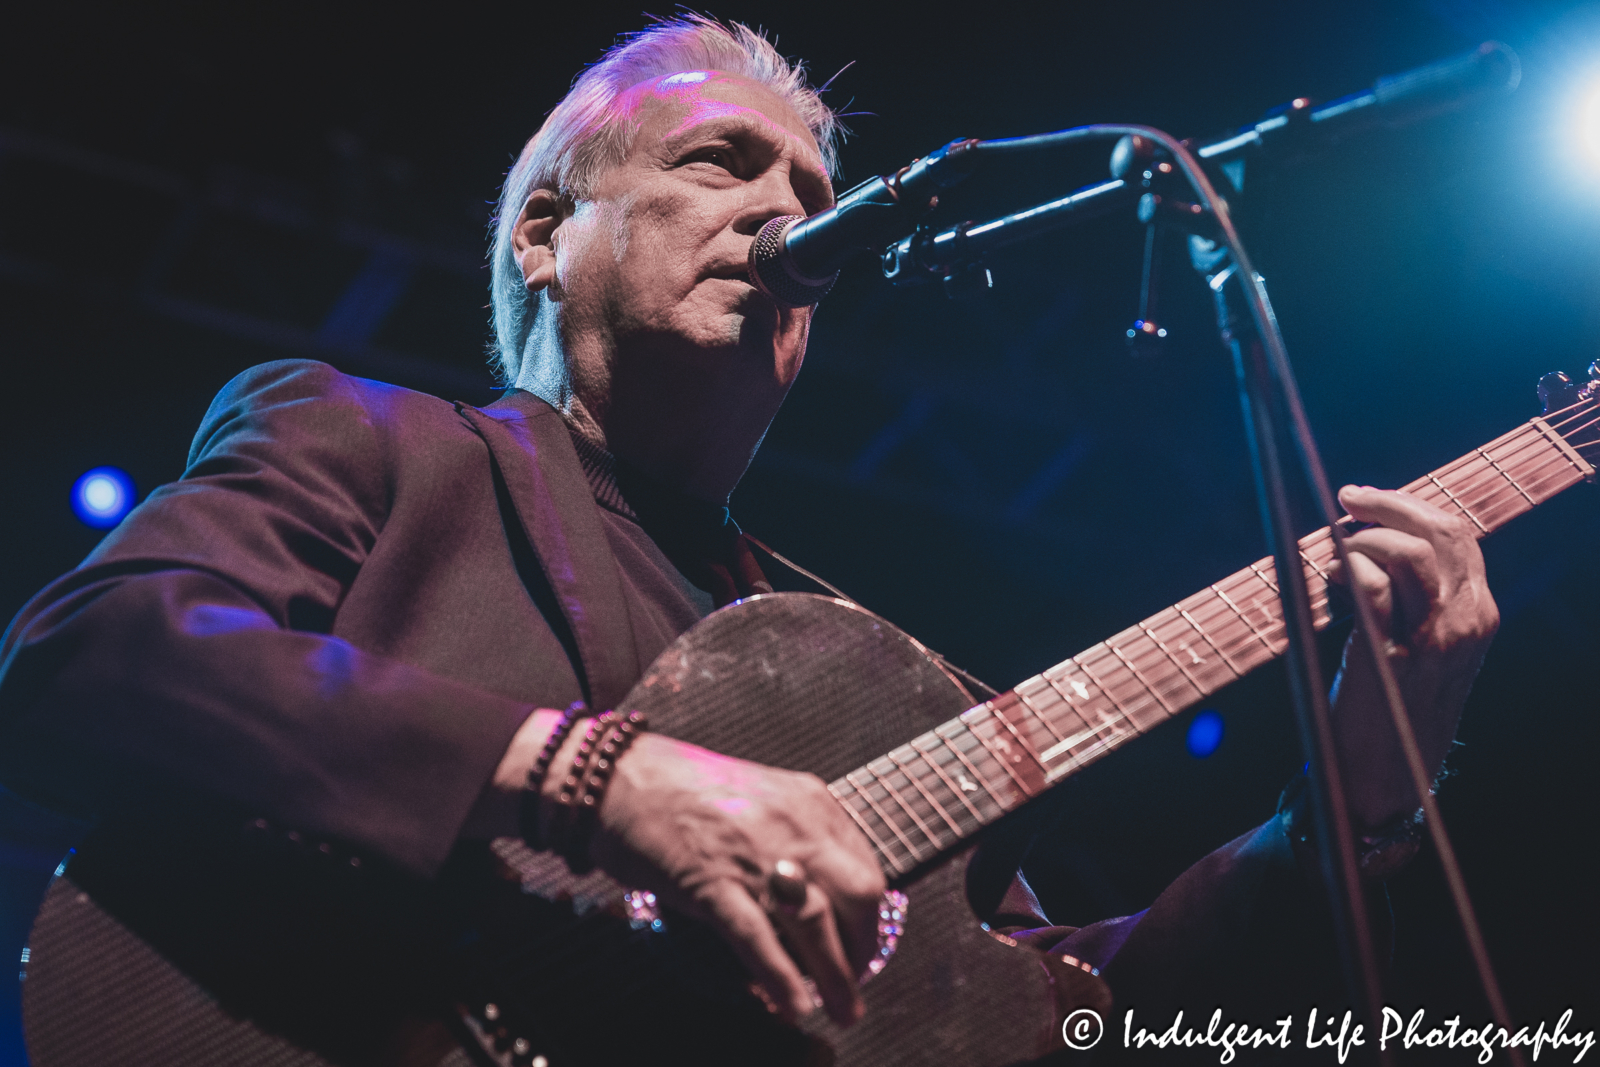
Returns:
point(534, 235)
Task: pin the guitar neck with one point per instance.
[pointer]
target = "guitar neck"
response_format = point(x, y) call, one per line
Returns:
point(927, 797)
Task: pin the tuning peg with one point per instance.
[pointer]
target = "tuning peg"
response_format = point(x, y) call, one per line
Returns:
point(1556, 391)
point(1594, 371)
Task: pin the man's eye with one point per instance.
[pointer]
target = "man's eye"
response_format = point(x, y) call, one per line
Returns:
point(716, 158)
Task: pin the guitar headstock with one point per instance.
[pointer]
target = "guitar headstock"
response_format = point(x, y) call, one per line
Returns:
point(1573, 410)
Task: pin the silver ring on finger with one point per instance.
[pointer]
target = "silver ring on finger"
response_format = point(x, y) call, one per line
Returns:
point(786, 886)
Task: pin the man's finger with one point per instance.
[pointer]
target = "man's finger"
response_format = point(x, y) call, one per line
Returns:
point(1374, 581)
point(854, 887)
point(814, 936)
point(735, 915)
point(1451, 536)
point(1411, 567)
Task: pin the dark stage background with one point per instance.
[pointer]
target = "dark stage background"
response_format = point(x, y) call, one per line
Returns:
point(187, 192)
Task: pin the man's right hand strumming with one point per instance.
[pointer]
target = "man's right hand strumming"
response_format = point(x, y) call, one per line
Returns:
point(706, 832)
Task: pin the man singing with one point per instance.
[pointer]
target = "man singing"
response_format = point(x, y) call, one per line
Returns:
point(359, 616)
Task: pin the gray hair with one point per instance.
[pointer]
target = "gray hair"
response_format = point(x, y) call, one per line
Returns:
point(585, 135)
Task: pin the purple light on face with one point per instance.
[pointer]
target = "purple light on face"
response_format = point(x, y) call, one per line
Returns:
point(102, 497)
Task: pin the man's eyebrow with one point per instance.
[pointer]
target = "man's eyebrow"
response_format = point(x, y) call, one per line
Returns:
point(727, 120)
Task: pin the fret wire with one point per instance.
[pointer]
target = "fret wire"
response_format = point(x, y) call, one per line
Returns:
point(1101, 685)
point(886, 837)
point(955, 790)
point(1457, 463)
point(1306, 558)
point(1005, 764)
point(1489, 498)
point(1558, 466)
point(1543, 448)
point(1524, 436)
point(1554, 471)
point(916, 782)
point(1268, 605)
point(1026, 727)
point(1014, 733)
point(894, 827)
point(1550, 454)
point(1459, 505)
point(1235, 641)
point(1139, 677)
point(1487, 488)
point(1027, 702)
point(1485, 466)
point(977, 776)
point(1507, 476)
point(1223, 656)
point(900, 801)
point(1452, 501)
point(1515, 444)
point(1566, 449)
point(1457, 471)
point(1094, 718)
point(1494, 503)
point(1255, 569)
point(883, 850)
point(1056, 684)
point(1252, 626)
point(903, 758)
point(1262, 650)
point(1162, 645)
point(1147, 655)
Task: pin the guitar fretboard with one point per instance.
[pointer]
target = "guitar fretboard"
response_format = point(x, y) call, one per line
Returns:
point(929, 795)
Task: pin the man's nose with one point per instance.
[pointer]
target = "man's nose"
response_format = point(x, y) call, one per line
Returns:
point(767, 197)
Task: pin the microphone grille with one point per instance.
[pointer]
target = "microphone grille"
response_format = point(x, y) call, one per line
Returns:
point(772, 275)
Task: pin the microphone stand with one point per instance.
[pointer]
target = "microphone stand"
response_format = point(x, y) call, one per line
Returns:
point(1250, 330)
point(1270, 400)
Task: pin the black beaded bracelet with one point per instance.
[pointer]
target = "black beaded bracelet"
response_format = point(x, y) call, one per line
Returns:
point(529, 813)
point(604, 743)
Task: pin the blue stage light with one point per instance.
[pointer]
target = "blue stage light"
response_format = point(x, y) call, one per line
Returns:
point(102, 497)
point(1205, 734)
point(1589, 124)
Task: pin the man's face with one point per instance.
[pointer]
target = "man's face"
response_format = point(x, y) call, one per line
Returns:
point(651, 273)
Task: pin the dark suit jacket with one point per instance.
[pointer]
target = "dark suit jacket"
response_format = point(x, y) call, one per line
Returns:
point(338, 618)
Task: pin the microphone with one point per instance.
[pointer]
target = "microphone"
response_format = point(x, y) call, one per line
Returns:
point(795, 260)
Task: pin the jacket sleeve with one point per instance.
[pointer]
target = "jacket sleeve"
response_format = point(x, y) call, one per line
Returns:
point(1247, 926)
point(192, 652)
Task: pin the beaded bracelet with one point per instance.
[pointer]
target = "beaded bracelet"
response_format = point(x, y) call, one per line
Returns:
point(529, 813)
point(607, 738)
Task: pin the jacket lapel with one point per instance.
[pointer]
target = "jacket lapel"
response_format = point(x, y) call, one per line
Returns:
point(556, 508)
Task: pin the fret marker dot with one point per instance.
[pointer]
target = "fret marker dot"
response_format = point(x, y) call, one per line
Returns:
point(1205, 734)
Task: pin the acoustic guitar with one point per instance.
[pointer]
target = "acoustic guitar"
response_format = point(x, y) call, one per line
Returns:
point(546, 969)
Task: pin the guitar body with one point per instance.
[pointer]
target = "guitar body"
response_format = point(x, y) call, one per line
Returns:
point(791, 680)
